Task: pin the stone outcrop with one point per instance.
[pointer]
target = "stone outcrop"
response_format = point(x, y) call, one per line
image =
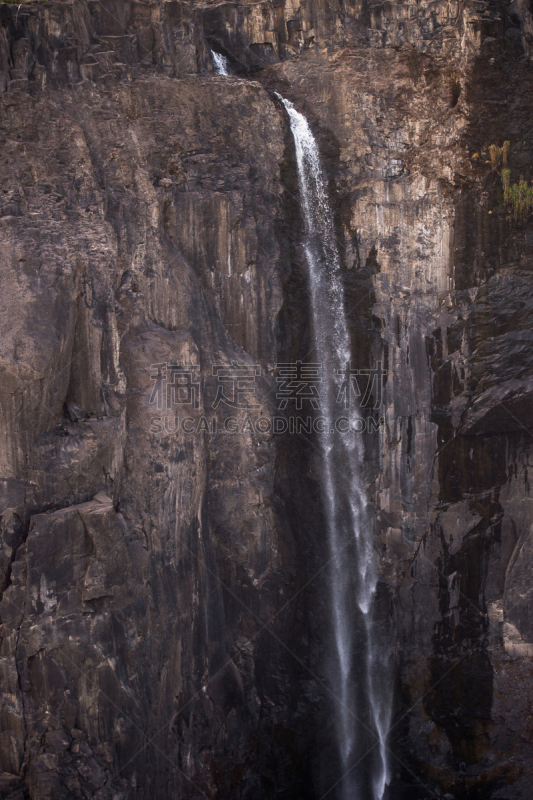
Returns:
point(165, 608)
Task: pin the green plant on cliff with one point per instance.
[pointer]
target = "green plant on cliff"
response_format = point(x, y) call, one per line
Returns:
point(518, 196)
point(499, 154)
point(506, 182)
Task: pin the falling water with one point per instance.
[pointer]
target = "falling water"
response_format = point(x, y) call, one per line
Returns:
point(221, 64)
point(359, 665)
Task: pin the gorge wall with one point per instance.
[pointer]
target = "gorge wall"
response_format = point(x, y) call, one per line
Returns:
point(164, 612)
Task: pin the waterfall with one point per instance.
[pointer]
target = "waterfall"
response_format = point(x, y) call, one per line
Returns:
point(359, 674)
point(221, 64)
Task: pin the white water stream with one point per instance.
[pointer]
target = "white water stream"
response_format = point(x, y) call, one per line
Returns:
point(359, 674)
point(220, 63)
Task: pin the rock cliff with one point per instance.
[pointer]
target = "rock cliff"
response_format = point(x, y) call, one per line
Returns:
point(164, 616)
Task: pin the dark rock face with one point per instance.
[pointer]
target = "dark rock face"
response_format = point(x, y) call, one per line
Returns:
point(165, 608)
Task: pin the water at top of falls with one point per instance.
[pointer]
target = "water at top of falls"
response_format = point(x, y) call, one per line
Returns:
point(330, 329)
point(221, 64)
point(353, 570)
